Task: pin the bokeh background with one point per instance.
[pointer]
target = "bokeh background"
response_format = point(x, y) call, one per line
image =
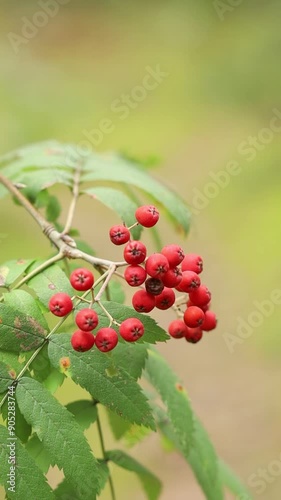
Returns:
point(218, 99)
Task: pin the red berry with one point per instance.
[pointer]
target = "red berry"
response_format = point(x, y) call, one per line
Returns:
point(135, 275)
point(119, 234)
point(106, 339)
point(154, 286)
point(172, 277)
point(201, 296)
point(210, 321)
point(189, 282)
point(87, 320)
point(131, 329)
point(156, 265)
point(134, 252)
point(143, 301)
point(166, 299)
point(193, 316)
point(177, 329)
point(192, 262)
point(147, 215)
point(81, 279)
point(82, 341)
point(204, 308)
point(193, 335)
point(60, 304)
point(174, 254)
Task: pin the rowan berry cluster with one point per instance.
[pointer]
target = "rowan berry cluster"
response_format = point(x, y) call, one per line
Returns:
point(157, 275)
point(87, 319)
point(160, 273)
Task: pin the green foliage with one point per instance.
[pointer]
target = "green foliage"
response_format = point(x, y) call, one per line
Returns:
point(30, 482)
point(57, 429)
point(50, 281)
point(173, 396)
point(107, 382)
point(150, 483)
point(120, 203)
point(84, 411)
point(19, 332)
point(11, 270)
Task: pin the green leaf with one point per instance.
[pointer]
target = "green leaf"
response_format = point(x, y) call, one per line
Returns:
point(152, 332)
point(5, 377)
point(11, 360)
point(39, 453)
point(107, 382)
point(22, 428)
point(35, 180)
point(64, 491)
point(11, 270)
point(201, 456)
point(53, 209)
point(50, 281)
point(24, 302)
point(130, 357)
point(172, 393)
point(115, 290)
point(84, 411)
point(232, 482)
point(19, 332)
point(113, 168)
point(151, 484)
point(30, 482)
point(120, 203)
point(135, 434)
point(118, 425)
point(41, 366)
point(59, 432)
point(54, 380)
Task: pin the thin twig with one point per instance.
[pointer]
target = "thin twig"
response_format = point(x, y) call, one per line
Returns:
point(111, 485)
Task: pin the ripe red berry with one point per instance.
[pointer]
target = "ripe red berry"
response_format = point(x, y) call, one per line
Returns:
point(135, 275)
point(134, 252)
point(192, 262)
point(174, 254)
point(87, 320)
point(193, 317)
point(204, 308)
point(106, 339)
point(81, 279)
point(131, 329)
point(143, 301)
point(172, 277)
point(189, 282)
point(82, 341)
point(166, 299)
point(60, 304)
point(119, 234)
point(147, 215)
point(193, 335)
point(210, 321)
point(154, 286)
point(177, 329)
point(201, 296)
point(156, 265)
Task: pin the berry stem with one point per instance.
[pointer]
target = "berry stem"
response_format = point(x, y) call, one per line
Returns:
point(110, 273)
point(101, 438)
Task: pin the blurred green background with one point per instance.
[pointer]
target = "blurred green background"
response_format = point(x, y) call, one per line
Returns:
point(215, 105)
